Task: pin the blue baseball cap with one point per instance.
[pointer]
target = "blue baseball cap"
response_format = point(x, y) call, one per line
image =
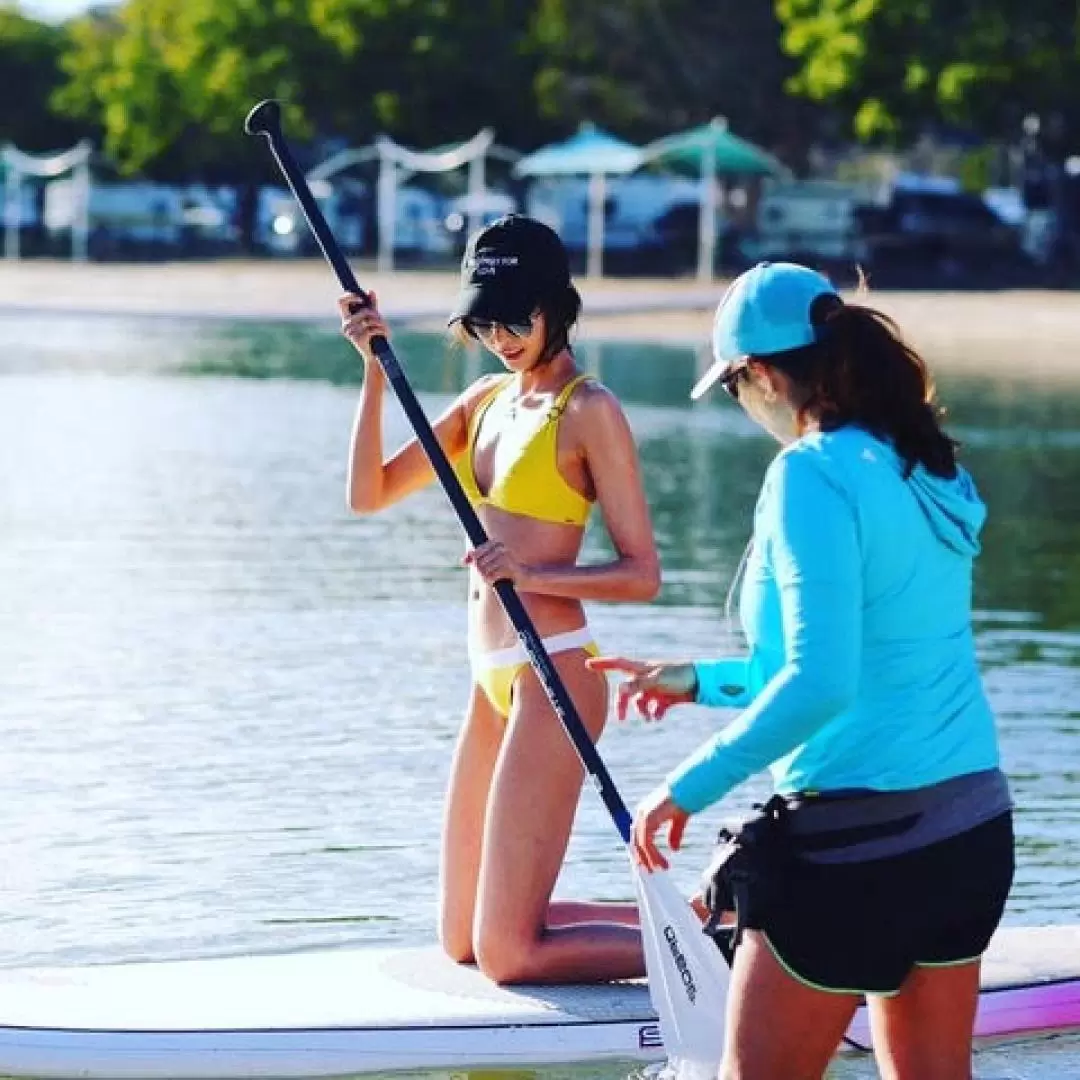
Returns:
point(765, 310)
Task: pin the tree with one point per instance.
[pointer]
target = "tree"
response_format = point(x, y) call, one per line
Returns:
point(648, 67)
point(434, 72)
point(891, 66)
point(162, 74)
point(30, 71)
point(171, 83)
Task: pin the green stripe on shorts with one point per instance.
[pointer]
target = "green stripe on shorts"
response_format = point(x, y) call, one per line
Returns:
point(815, 986)
point(948, 963)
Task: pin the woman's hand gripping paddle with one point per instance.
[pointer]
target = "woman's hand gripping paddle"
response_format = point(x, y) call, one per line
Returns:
point(687, 980)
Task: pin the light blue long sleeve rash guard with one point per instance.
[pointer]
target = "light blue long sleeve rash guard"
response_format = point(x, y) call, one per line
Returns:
point(856, 605)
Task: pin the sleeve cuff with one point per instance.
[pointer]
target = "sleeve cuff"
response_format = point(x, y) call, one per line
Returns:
point(723, 684)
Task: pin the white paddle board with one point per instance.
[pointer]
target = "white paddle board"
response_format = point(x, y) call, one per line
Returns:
point(351, 1011)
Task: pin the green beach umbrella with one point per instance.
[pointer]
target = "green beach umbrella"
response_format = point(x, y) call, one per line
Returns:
point(716, 145)
point(708, 151)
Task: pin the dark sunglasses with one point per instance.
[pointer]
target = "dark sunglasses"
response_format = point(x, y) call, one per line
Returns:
point(486, 328)
point(730, 379)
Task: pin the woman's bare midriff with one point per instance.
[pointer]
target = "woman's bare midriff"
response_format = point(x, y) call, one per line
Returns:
point(536, 543)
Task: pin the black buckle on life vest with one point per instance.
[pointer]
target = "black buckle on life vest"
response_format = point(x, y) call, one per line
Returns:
point(745, 861)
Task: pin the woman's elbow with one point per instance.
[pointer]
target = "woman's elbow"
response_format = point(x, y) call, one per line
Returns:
point(647, 581)
point(834, 695)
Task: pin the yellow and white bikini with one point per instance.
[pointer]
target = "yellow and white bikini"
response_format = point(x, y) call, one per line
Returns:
point(533, 487)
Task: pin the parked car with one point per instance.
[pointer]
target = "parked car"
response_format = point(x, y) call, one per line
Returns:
point(125, 219)
point(281, 229)
point(647, 219)
point(675, 240)
point(940, 236)
point(811, 221)
point(914, 231)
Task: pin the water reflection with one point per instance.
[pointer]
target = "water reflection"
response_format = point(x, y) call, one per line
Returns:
point(227, 706)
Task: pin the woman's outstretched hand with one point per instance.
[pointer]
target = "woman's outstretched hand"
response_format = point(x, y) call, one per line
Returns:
point(651, 687)
point(657, 810)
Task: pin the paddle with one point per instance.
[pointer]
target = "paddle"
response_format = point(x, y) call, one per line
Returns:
point(687, 981)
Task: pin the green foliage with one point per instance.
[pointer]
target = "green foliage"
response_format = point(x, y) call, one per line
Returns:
point(172, 82)
point(30, 72)
point(168, 82)
point(650, 67)
point(892, 65)
point(435, 71)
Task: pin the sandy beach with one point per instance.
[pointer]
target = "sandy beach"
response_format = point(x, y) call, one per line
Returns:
point(1039, 328)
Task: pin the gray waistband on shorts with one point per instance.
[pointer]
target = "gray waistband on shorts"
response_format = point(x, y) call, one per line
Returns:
point(924, 816)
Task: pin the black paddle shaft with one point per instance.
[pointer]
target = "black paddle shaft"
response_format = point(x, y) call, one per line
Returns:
point(265, 119)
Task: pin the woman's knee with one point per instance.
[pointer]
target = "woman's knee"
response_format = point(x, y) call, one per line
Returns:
point(457, 946)
point(504, 957)
point(455, 935)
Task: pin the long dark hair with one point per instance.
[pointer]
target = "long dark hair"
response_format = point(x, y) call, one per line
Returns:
point(861, 371)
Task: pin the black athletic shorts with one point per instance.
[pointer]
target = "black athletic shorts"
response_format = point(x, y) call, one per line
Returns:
point(862, 927)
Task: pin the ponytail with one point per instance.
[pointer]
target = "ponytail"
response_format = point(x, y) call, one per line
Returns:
point(861, 371)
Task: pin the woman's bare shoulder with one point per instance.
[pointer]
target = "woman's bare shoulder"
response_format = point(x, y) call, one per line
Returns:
point(594, 403)
point(476, 391)
point(483, 386)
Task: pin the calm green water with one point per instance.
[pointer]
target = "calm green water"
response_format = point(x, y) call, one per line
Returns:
point(227, 706)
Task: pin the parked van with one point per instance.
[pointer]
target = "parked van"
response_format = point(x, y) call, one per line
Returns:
point(647, 216)
point(814, 221)
point(124, 218)
point(927, 230)
point(281, 229)
point(419, 228)
point(418, 220)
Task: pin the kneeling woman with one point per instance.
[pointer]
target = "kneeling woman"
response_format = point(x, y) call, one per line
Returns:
point(885, 860)
point(534, 449)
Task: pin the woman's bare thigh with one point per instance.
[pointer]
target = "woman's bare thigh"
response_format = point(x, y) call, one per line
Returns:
point(925, 1031)
point(777, 1027)
point(471, 770)
point(534, 797)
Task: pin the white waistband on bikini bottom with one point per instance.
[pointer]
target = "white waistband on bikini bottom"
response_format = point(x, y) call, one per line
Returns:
point(516, 654)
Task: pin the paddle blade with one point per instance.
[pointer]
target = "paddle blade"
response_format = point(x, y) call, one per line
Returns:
point(688, 978)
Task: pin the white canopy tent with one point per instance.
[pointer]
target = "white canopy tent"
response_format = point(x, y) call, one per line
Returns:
point(397, 163)
point(18, 164)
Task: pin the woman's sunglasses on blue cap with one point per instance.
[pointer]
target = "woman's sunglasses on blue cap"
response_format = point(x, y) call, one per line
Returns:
point(730, 379)
point(727, 376)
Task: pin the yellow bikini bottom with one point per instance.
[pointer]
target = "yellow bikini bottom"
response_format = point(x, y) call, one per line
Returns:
point(496, 672)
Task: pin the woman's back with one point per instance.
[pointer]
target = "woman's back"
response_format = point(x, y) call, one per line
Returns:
point(882, 866)
point(898, 624)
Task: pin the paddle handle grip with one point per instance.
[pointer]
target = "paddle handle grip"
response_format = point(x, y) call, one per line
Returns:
point(265, 119)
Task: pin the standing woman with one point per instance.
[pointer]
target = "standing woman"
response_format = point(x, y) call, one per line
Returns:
point(883, 863)
point(534, 449)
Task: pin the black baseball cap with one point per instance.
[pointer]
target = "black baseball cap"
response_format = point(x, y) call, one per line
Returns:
point(508, 268)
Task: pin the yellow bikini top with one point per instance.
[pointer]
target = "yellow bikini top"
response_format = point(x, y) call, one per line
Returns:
point(532, 484)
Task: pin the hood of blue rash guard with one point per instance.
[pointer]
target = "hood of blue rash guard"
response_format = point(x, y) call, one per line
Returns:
point(953, 507)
